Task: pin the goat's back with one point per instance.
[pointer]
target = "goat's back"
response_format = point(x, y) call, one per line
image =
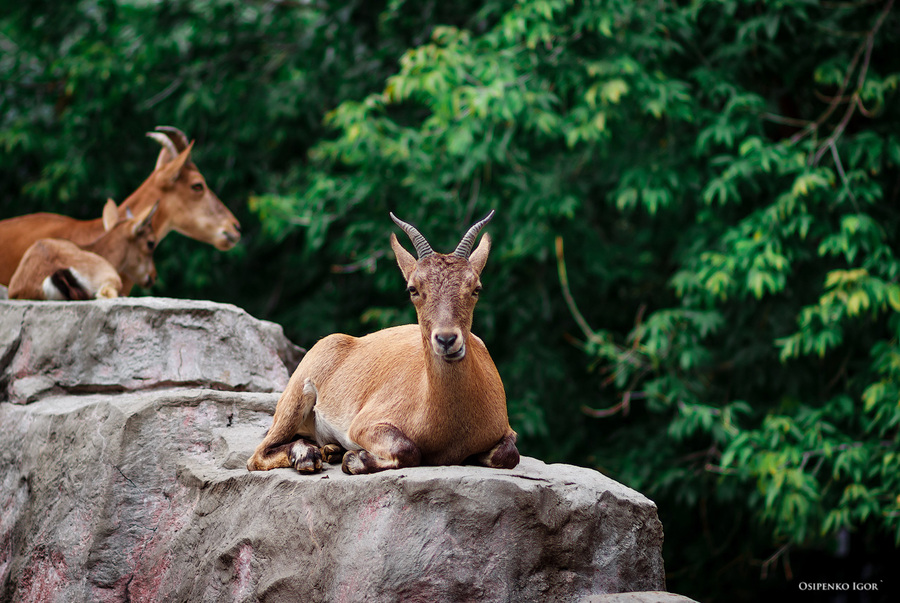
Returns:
point(20, 233)
point(47, 256)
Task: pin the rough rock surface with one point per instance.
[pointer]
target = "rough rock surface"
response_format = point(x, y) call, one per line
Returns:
point(137, 343)
point(129, 492)
point(642, 597)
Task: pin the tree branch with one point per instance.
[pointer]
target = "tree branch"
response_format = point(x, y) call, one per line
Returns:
point(567, 295)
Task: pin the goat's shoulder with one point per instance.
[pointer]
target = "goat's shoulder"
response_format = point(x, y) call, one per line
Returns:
point(337, 347)
point(343, 357)
point(402, 334)
point(477, 346)
point(476, 340)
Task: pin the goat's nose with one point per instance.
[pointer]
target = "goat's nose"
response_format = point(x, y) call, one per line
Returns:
point(445, 340)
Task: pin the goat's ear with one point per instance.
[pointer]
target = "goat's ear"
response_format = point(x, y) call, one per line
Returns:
point(110, 215)
point(165, 156)
point(405, 259)
point(168, 173)
point(142, 223)
point(479, 257)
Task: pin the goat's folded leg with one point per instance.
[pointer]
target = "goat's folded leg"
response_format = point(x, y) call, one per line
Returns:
point(281, 446)
point(301, 454)
point(504, 455)
point(332, 453)
point(383, 447)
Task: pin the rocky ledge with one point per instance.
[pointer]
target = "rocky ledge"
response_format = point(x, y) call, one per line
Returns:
point(122, 478)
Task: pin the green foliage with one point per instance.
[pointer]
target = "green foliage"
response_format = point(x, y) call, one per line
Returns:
point(723, 329)
point(727, 194)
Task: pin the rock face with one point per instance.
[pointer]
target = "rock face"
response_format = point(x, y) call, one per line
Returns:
point(641, 597)
point(138, 344)
point(127, 482)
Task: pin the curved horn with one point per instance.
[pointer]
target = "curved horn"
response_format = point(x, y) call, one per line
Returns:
point(177, 136)
point(465, 246)
point(164, 141)
point(423, 249)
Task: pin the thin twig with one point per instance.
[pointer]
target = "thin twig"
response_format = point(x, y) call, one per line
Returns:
point(567, 295)
point(788, 121)
point(840, 169)
point(773, 559)
point(608, 412)
point(158, 98)
point(842, 125)
point(367, 264)
point(813, 126)
point(854, 100)
point(720, 470)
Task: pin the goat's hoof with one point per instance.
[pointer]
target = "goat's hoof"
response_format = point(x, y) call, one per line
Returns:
point(354, 462)
point(332, 453)
point(305, 458)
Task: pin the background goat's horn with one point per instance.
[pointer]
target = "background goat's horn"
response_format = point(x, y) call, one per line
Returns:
point(465, 246)
point(178, 137)
point(164, 141)
point(423, 249)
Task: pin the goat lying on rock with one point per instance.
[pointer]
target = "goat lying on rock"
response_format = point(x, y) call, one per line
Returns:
point(426, 394)
point(57, 269)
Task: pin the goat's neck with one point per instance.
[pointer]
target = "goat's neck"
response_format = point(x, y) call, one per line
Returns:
point(110, 247)
point(448, 382)
point(146, 195)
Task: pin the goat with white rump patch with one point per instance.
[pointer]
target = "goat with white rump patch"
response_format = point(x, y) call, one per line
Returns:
point(425, 394)
point(58, 269)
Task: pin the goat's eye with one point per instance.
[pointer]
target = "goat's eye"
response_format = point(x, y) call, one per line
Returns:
point(151, 245)
point(412, 291)
point(197, 187)
point(476, 291)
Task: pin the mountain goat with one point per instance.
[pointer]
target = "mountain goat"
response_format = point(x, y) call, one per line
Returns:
point(425, 394)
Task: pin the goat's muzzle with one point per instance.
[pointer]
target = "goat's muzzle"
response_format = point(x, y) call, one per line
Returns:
point(449, 345)
point(228, 237)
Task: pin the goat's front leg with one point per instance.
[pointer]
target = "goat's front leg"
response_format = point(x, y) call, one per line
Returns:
point(383, 447)
point(504, 455)
point(281, 446)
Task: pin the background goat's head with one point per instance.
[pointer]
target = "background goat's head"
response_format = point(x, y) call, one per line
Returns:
point(129, 243)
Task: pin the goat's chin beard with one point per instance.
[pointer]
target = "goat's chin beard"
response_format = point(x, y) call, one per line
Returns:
point(455, 356)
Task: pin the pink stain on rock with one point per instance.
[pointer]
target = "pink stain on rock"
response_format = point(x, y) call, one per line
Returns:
point(43, 578)
point(150, 558)
point(22, 361)
point(241, 567)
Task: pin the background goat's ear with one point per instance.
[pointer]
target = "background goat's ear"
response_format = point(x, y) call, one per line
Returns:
point(169, 173)
point(144, 222)
point(479, 257)
point(405, 259)
point(110, 215)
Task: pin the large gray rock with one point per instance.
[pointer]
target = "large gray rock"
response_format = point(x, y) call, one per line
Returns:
point(640, 597)
point(137, 343)
point(143, 496)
